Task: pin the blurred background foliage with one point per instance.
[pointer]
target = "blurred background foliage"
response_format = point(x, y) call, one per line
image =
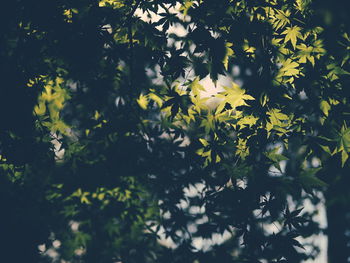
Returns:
point(174, 131)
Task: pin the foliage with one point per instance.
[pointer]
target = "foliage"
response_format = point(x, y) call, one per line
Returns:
point(111, 152)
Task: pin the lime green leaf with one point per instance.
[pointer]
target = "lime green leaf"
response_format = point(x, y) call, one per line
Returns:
point(250, 50)
point(40, 109)
point(335, 72)
point(228, 55)
point(280, 19)
point(199, 103)
point(242, 149)
point(276, 157)
point(305, 54)
point(208, 123)
point(143, 101)
point(343, 145)
point(344, 139)
point(264, 99)
point(290, 68)
point(292, 34)
point(186, 6)
point(344, 157)
point(156, 99)
point(325, 107)
point(277, 121)
point(326, 149)
point(204, 142)
point(195, 87)
point(273, 155)
point(234, 96)
point(247, 121)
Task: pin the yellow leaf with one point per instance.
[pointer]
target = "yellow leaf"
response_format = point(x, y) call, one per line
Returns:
point(235, 96)
point(325, 107)
point(156, 98)
point(290, 68)
point(40, 109)
point(143, 101)
point(248, 121)
point(204, 142)
point(229, 53)
point(292, 34)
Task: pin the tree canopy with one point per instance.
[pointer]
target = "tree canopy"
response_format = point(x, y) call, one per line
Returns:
point(115, 149)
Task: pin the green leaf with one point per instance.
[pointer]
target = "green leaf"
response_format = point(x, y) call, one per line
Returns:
point(156, 99)
point(228, 55)
point(143, 101)
point(204, 142)
point(344, 157)
point(309, 181)
point(40, 109)
point(292, 34)
point(208, 123)
point(234, 96)
point(344, 139)
point(290, 68)
point(276, 157)
point(343, 144)
point(186, 6)
point(277, 121)
point(281, 19)
point(247, 121)
point(325, 107)
point(305, 54)
point(242, 149)
point(326, 149)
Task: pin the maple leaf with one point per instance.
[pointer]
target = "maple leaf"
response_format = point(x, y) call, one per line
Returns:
point(292, 34)
point(281, 19)
point(242, 149)
point(143, 101)
point(305, 54)
point(343, 144)
point(325, 107)
point(228, 55)
point(196, 88)
point(276, 157)
point(199, 103)
point(290, 68)
point(234, 96)
point(278, 121)
point(309, 181)
point(248, 121)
